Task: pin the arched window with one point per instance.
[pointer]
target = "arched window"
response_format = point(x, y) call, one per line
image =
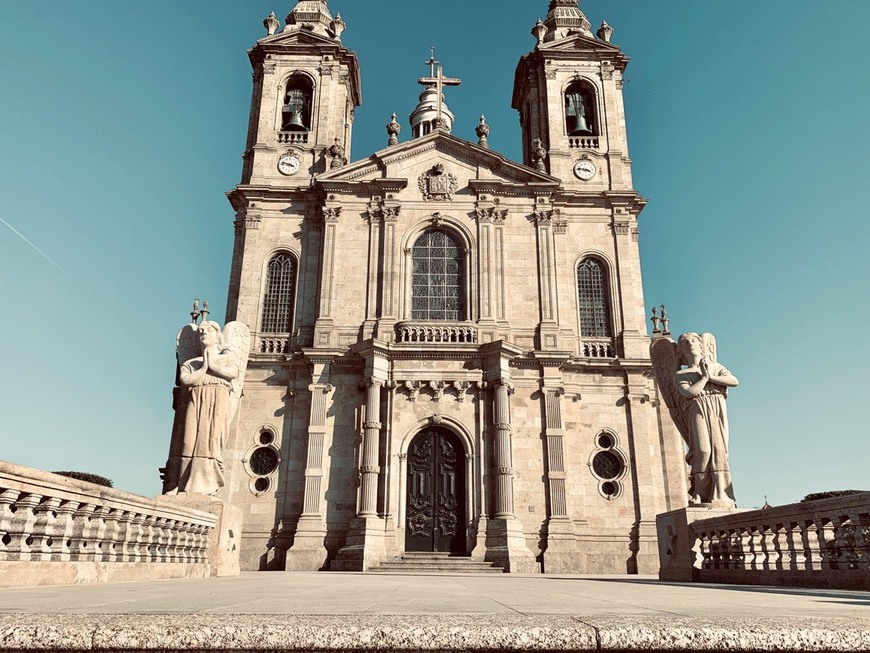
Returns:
point(438, 278)
point(278, 300)
point(580, 110)
point(296, 113)
point(593, 298)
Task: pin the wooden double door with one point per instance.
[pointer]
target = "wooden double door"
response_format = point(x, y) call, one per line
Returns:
point(435, 516)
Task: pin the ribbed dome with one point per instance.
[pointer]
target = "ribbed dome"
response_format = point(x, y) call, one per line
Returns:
point(565, 18)
point(424, 117)
point(312, 15)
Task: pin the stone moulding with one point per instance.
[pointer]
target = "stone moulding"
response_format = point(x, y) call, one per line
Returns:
point(58, 530)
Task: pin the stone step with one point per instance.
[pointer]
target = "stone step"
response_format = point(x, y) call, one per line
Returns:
point(422, 562)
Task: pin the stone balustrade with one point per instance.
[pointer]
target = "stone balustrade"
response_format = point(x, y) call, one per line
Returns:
point(823, 543)
point(434, 332)
point(55, 529)
point(583, 142)
point(601, 348)
point(272, 343)
point(293, 137)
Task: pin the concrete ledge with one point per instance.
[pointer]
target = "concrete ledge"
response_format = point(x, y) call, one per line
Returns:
point(481, 632)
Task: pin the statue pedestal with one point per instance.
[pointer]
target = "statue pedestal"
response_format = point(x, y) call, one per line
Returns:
point(676, 540)
point(506, 546)
point(225, 540)
point(364, 546)
point(308, 552)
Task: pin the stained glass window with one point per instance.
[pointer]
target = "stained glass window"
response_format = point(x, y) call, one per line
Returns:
point(278, 301)
point(437, 278)
point(593, 299)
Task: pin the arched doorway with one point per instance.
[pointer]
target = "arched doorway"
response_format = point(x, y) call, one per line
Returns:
point(435, 516)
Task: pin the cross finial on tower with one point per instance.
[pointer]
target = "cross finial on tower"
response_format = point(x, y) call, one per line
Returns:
point(438, 79)
point(432, 62)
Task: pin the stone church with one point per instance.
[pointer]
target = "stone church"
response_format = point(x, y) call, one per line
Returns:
point(449, 350)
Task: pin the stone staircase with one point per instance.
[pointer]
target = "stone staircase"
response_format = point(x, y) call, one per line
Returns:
point(412, 562)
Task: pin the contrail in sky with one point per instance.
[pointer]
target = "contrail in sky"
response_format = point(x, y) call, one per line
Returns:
point(24, 238)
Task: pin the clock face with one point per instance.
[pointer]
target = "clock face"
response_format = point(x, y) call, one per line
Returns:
point(585, 169)
point(288, 164)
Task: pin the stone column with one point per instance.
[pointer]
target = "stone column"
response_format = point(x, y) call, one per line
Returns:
point(504, 489)
point(371, 439)
point(365, 544)
point(505, 539)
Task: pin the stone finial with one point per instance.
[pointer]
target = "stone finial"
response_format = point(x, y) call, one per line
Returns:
point(665, 330)
point(539, 30)
point(204, 312)
point(338, 26)
point(393, 129)
point(194, 314)
point(482, 131)
point(336, 151)
point(655, 319)
point(271, 24)
point(605, 31)
point(539, 153)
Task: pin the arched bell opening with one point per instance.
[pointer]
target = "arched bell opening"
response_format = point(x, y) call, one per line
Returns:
point(296, 112)
point(580, 110)
point(436, 500)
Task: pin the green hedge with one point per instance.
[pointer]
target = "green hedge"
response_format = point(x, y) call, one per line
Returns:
point(85, 476)
point(815, 496)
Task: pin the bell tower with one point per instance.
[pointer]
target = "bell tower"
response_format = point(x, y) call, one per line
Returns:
point(568, 92)
point(306, 87)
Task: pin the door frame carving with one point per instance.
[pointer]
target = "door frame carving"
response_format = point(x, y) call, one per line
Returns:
point(472, 463)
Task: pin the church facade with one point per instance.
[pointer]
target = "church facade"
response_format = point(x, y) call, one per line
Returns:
point(449, 350)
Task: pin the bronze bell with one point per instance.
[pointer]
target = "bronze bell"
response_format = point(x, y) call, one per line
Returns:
point(294, 122)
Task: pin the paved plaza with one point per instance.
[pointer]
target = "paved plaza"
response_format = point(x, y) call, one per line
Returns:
point(355, 612)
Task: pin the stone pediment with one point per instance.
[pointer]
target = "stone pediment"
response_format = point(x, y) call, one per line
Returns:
point(438, 165)
point(298, 37)
point(580, 43)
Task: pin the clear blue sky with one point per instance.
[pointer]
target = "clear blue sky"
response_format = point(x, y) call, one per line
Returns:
point(122, 126)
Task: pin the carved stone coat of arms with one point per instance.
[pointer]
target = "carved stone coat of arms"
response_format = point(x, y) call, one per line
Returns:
point(436, 184)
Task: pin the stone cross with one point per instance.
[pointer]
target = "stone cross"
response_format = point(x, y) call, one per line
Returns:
point(436, 77)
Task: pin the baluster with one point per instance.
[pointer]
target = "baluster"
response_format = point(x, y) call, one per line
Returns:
point(751, 553)
point(65, 524)
point(160, 539)
point(80, 547)
point(21, 527)
point(40, 544)
point(861, 522)
point(7, 514)
point(827, 543)
point(172, 551)
point(812, 546)
point(796, 557)
point(134, 540)
point(764, 547)
point(844, 536)
point(780, 558)
point(186, 541)
point(151, 539)
point(122, 538)
point(98, 534)
point(110, 534)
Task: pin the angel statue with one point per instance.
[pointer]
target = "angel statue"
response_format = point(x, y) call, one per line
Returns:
point(211, 369)
point(695, 395)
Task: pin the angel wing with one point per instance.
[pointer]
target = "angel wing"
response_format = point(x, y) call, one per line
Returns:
point(708, 344)
point(666, 362)
point(187, 344)
point(237, 339)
